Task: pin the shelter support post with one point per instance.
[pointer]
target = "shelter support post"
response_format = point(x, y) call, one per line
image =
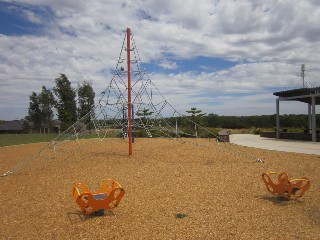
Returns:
point(309, 119)
point(314, 127)
point(278, 118)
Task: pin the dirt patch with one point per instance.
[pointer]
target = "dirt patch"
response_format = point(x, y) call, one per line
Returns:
point(174, 190)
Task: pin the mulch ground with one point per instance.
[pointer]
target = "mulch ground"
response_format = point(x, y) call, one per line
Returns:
point(199, 189)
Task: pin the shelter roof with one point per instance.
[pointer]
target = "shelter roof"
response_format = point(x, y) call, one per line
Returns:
point(15, 125)
point(300, 94)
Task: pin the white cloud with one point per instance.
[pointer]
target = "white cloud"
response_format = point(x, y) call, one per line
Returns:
point(168, 64)
point(31, 16)
point(83, 40)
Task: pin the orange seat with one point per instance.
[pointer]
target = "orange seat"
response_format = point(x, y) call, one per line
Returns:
point(108, 197)
point(290, 189)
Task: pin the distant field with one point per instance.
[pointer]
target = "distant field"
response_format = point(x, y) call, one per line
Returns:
point(16, 139)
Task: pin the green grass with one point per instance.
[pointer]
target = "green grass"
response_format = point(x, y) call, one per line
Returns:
point(16, 139)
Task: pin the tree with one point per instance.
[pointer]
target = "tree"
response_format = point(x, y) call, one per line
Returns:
point(213, 120)
point(46, 102)
point(65, 104)
point(196, 117)
point(144, 113)
point(26, 125)
point(85, 100)
point(34, 111)
point(40, 109)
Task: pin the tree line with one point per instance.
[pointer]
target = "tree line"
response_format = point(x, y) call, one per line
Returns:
point(198, 119)
point(262, 121)
point(63, 99)
point(237, 122)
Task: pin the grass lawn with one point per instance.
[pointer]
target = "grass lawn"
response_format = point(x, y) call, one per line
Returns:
point(16, 139)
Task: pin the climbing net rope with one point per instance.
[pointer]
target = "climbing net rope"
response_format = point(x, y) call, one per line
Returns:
point(153, 117)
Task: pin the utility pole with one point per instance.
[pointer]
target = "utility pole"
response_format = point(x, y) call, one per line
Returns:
point(303, 69)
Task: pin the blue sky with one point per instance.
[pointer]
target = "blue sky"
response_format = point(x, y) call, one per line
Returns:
point(223, 57)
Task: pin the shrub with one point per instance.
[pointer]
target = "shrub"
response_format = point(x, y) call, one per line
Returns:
point(257, 131)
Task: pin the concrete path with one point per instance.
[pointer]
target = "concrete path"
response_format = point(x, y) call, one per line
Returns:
point(276, 144)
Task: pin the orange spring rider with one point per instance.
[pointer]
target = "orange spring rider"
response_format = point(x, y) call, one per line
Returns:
point(108, 197)
point(289, 189)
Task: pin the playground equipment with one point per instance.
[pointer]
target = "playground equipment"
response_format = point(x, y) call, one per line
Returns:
point(289, 189)
point(108, 197)
point(130, 90)
point(124, 123)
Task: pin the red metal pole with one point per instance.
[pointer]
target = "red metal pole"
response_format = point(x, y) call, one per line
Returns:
point(129, 92)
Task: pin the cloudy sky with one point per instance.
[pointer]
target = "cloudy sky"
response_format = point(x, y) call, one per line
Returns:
point(224, 57)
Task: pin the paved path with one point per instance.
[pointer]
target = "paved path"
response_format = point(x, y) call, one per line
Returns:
point(276, 144)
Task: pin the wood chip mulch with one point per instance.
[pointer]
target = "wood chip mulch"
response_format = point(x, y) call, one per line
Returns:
point(192, 189)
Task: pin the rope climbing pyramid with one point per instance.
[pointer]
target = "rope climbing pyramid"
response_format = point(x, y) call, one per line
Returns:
point(150, 111)
point(130, 105)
